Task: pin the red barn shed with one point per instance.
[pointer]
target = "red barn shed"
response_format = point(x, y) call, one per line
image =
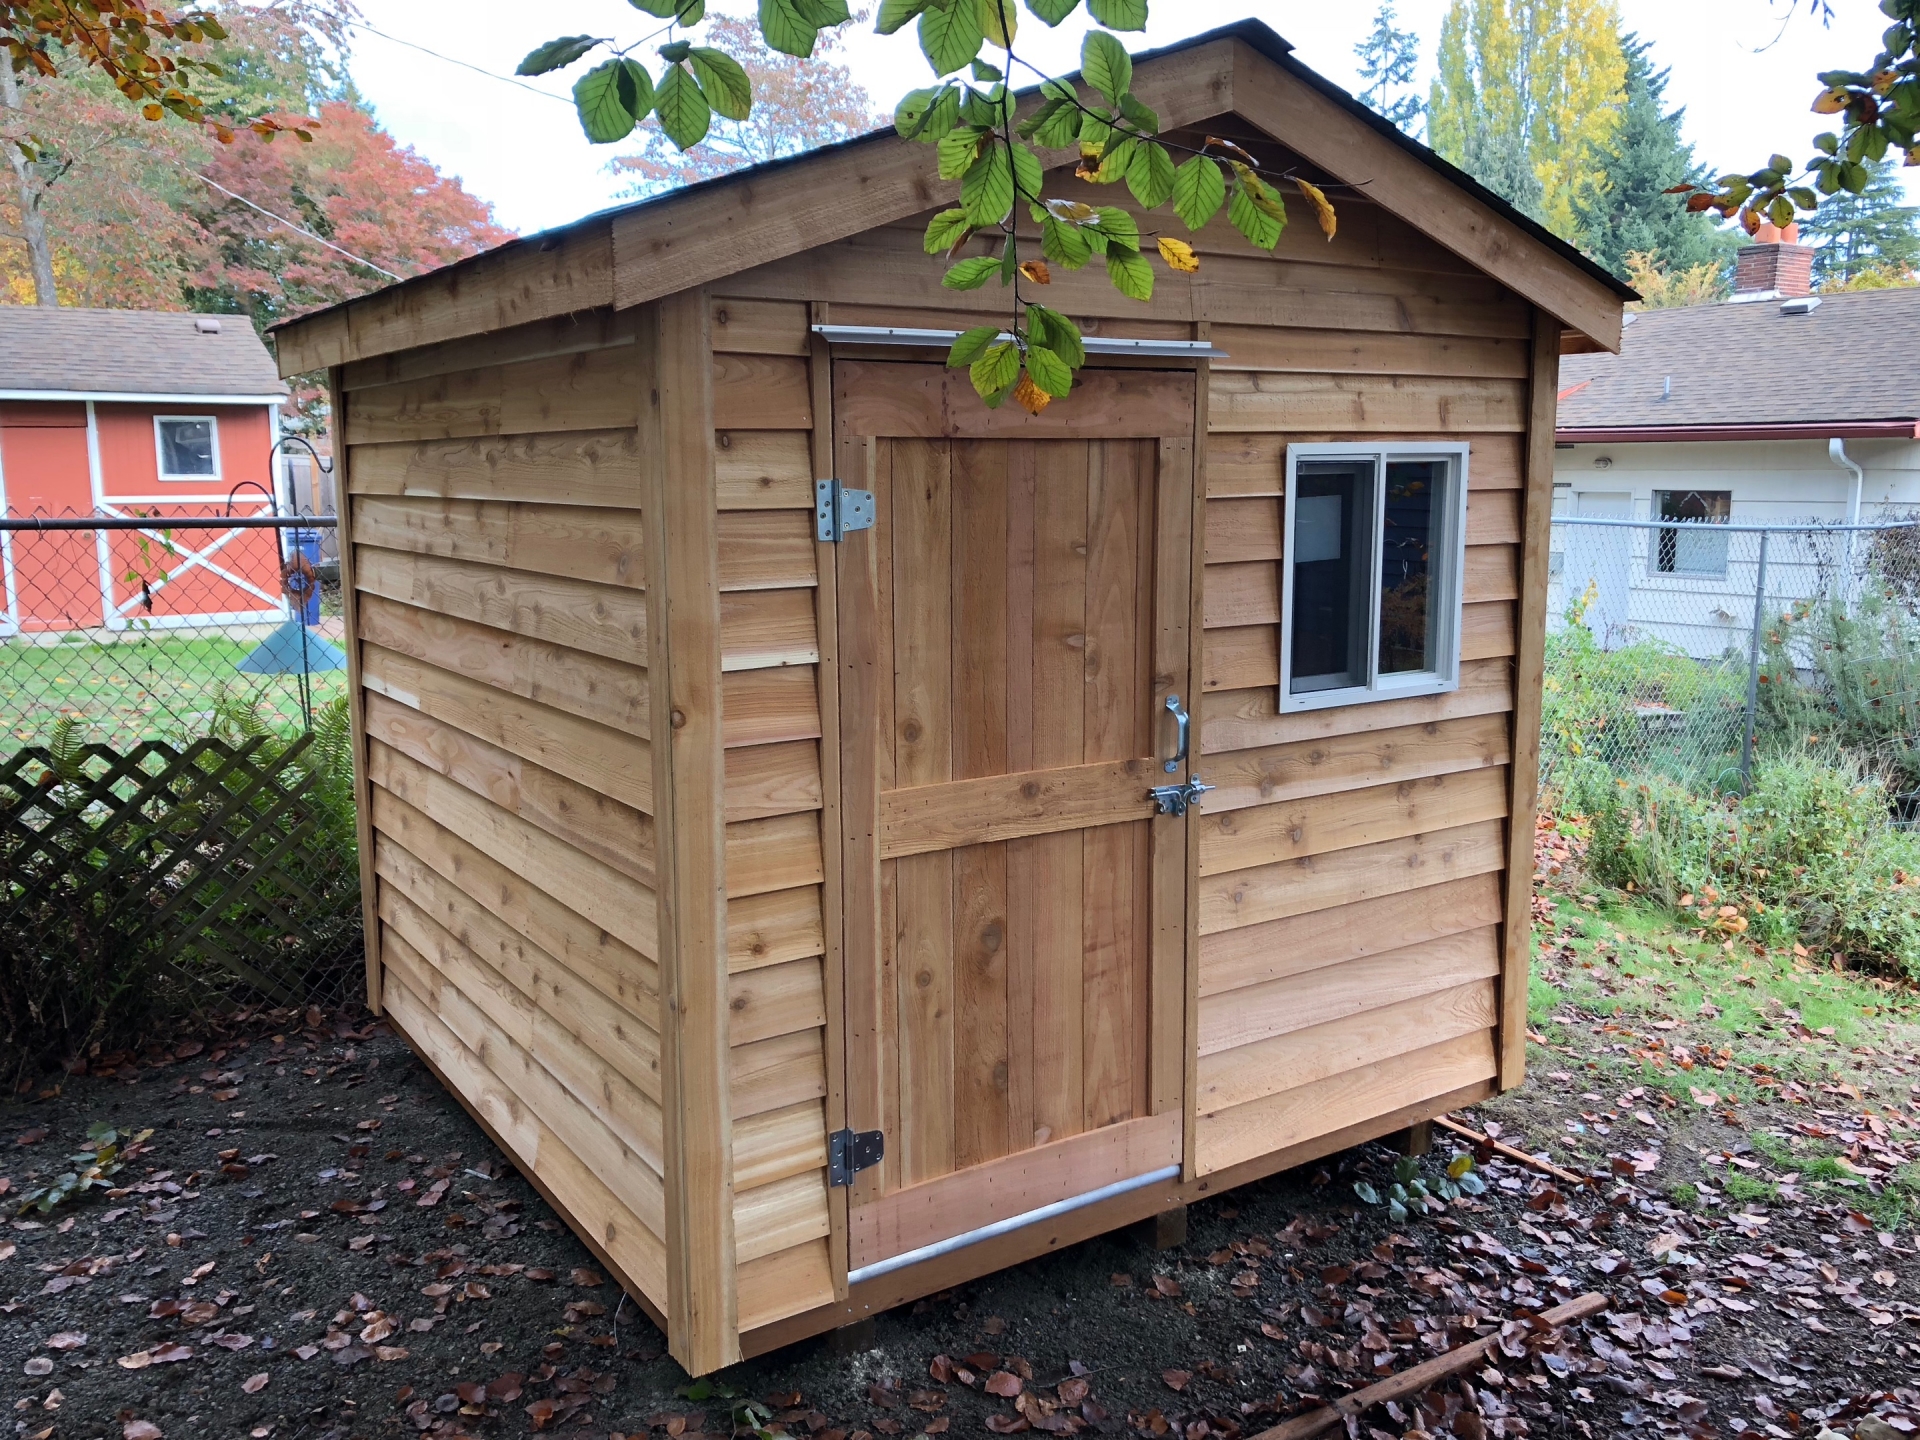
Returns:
point(140, 415)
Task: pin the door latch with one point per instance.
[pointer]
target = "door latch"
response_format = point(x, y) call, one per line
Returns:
point(1178, 799)
point(851, 1151)
point(839, 511)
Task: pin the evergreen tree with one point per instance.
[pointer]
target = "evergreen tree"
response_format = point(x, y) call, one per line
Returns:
point(1865, 236)
point(1530, 87)
point(1627, 211)
point(1388, 57)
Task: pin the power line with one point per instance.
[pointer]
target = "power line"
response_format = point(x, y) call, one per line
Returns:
point(297, 229)
point(463, 64)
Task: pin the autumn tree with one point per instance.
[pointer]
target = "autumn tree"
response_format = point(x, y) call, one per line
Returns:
point(1388, 58)
point(1868, 240)
point(1528, 94)
point(1631, 206)
point(798, 105)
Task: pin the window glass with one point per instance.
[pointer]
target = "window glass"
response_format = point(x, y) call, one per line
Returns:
point(1410, 530)
point(1685, 550)
point(186, 447)
point(1332, 574)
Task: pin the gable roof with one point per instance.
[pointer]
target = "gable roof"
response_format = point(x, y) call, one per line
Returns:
point(649, 249)
point(1748, 369)
point(47, 352)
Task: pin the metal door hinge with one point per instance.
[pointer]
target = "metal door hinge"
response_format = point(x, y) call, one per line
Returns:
point(1178, 799)
point(838, 511)
point(851, 1151)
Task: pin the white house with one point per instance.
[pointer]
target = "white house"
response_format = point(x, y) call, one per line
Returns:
point(1776, 408)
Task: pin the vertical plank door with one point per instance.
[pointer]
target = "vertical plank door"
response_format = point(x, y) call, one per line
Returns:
point(1011, 628)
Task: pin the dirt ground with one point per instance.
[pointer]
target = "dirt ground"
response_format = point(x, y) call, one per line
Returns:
point(317, 1242)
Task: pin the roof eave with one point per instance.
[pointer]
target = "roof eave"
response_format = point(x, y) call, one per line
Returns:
point(1900, 429)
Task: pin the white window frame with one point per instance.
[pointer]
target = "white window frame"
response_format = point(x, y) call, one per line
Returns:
point(160, 449)
point(1449, 577)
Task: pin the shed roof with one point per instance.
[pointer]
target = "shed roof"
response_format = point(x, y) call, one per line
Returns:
point(48, 352)
point(701, 233)
point(1752, 369)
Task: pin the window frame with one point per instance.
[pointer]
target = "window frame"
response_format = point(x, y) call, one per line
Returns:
point(160, 448)
point(1670, 533)
point(1449, 577)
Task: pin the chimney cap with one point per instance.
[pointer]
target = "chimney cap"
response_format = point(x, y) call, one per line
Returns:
point(206, 325)
point(1771, 234)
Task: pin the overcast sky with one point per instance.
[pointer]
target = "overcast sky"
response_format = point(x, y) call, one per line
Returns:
point(1745, 83)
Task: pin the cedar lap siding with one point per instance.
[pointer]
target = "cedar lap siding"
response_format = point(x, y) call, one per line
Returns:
point(618, 710)
point(82, 393)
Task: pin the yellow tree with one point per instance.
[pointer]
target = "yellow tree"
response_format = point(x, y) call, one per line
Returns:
point(1528, 94)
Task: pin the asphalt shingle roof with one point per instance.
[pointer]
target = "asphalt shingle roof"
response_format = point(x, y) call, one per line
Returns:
point(1746, 363)
point(141, 352)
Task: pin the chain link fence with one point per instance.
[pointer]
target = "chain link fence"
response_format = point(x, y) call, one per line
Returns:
point(176, 803)
point(1682, 649)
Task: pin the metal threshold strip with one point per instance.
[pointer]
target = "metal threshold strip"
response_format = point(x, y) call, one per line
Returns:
point(1010, 1224)
point(1094, 344)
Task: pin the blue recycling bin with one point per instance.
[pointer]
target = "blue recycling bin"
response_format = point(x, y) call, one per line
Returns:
point(302, 575)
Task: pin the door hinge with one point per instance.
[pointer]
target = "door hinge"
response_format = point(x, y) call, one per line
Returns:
point(851, 1151)
point(838, 511)
point(1178, 799)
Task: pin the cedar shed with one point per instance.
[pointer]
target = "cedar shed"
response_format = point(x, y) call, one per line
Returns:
point(759, 737)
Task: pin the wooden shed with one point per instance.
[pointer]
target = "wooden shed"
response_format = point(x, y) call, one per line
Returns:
point(798, 912)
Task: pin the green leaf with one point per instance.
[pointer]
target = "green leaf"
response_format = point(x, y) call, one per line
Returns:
point(988, 111)
point(1366, 1192)
point(824, 13)
point(697, 1390)
point(556, 54)
point(1406, 1169)
point(786, 29)
point(1396, 1212)
point(723, 80)
point(1116, 159)
point(952, 36)
point(1472, 1183)
point(685, 116)
point(1199, 190)
point(677, 10)
point(1064, 244)
point(996, 372)
point(1139, 116)
point(612, 98)
point(1253, 222)
point(911, 114)
point(986, 193)
point(971, 345)
point(1027, 174)
point(1009, 261)
point(896, 13)
point(1117, 224)
point(1049, 372)
point(1052, 11)
point(1055, 126)
point(959, 151)
point(971, 273)
point(676, 52)
point(1150, 176)
point(1105, 65)
point(1119, 14)
point(946, 230)
point(1059, 334)
point(1132, 276)
point(984, 72)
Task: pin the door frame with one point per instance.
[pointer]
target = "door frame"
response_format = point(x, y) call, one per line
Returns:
point(896, 396)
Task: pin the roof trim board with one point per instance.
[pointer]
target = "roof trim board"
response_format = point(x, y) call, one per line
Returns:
point(1786, 430)
point(705, 232)
point(137, 397)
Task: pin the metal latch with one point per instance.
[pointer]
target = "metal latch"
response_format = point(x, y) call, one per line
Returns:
point(1178, 799)
point(851, 1151)
point(838, 511)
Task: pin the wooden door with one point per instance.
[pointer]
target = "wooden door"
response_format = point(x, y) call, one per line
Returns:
point(1011, 629)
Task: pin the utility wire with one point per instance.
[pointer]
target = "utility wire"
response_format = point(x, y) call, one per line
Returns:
point(297, 229)
point(463, 64)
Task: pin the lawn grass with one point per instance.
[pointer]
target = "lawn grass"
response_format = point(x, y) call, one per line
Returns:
point(156, 686)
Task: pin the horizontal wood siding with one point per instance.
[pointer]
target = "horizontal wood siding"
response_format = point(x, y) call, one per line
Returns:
point(776, 930)
point(500, 571)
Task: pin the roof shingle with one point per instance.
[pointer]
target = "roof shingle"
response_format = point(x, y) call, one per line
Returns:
point(132, 352)
point(1850, 359)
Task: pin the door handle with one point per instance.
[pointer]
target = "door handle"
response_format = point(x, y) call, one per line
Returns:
point(1183, 722)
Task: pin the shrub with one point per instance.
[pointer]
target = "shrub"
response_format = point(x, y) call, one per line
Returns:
point(1810, 853)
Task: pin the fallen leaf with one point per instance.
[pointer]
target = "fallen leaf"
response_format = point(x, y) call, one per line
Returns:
point(586, 1277)
point(140, 1430)
point(172, 1354)
point(139, 1360)
point(254, 1384)
point(1176, 1379)
point(67, 1340)
point(1004, 1385)
point(31, 1137)
point(39, 1365)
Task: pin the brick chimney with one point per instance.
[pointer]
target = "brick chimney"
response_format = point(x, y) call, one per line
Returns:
point(1775, 267)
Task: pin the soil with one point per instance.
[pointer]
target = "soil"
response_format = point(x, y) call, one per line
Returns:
point(315, 1210)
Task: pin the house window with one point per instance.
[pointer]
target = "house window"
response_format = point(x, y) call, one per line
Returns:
point(1685, 550)
point(1371, 595)
point(189, 447)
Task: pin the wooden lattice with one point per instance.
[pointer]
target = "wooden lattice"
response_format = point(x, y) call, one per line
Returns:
point(219, 863)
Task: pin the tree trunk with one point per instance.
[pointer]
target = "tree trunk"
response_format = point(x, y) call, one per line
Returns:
point(33, 224)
